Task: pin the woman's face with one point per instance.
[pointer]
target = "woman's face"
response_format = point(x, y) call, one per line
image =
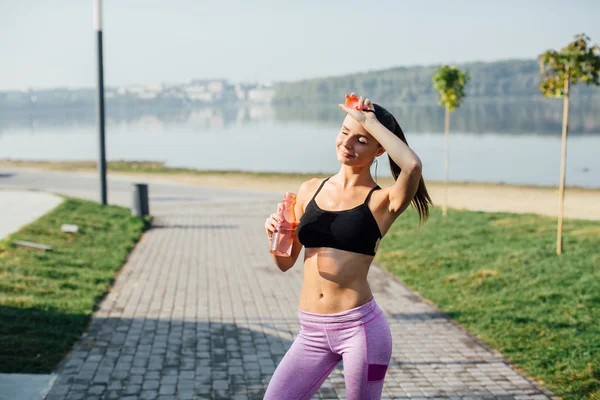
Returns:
point(354, 145)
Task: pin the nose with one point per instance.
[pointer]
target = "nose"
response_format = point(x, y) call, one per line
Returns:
point(346, 143)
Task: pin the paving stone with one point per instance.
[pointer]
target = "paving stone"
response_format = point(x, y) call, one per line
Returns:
point(96, 390)
point(148, 395)
point(150, 385)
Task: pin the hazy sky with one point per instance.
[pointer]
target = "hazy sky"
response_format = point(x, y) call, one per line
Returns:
point(51, 43)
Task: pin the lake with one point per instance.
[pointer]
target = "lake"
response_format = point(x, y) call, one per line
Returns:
point(515, 143)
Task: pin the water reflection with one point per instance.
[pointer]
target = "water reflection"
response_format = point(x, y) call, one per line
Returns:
point(490, 142)
point(517, 117)
point(540, 116)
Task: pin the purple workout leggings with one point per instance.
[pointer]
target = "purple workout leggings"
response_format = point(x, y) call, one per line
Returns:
point(360, 337)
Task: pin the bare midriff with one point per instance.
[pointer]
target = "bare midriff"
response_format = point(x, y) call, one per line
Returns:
point(334, 280)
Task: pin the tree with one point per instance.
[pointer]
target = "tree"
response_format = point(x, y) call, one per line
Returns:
point(450, 83)
point(573, 64)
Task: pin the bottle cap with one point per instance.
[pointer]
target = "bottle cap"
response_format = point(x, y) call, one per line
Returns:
point(289, 196)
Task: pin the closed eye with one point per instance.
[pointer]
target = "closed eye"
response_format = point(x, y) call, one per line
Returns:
point(361, 139)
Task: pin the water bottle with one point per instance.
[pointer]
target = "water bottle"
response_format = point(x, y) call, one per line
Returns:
point(283, 239)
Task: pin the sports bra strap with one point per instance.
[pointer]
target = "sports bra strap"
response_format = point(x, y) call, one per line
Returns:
point(320, 187)
point(370, 193)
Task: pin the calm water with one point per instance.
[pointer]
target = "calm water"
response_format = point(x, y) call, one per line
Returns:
point(494, 143)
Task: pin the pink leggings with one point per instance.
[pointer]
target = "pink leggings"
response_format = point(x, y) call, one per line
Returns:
point(360, 337)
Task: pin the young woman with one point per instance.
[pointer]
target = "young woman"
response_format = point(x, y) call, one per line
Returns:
point(341, 222)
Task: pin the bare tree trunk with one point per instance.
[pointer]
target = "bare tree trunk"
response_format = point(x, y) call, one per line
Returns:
point(563, 165)
point(446, 136)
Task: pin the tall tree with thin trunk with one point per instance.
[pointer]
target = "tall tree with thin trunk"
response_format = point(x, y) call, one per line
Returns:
point(577, 62)
point(450, 83)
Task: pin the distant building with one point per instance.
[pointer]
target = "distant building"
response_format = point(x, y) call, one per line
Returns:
point(216, 87)
point(240, 93)
point(261, 94)
point(206, 91)
point(156, 87)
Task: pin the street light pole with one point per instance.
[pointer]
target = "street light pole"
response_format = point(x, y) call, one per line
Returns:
point(100, 101)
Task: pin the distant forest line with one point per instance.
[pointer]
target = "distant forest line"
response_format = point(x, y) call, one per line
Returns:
point(489, 81)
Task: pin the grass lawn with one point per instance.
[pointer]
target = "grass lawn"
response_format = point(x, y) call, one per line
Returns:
point(498, 275)
point(47, 298)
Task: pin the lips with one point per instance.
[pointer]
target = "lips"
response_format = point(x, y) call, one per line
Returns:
point(348, 155)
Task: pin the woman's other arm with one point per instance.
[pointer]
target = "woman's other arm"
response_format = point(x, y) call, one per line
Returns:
point(286, 263)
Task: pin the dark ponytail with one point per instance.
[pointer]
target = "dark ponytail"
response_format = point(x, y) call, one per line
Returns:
point(421, 200)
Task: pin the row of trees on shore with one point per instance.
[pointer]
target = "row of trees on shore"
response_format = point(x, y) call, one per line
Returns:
point(577, 62)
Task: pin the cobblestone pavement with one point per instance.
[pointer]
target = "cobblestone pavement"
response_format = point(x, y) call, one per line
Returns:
point(200, 312)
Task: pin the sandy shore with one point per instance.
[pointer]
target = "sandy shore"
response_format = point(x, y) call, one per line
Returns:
point(579, 203)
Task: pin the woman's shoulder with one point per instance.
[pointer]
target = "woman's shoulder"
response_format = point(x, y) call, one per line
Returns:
point(308, 188)
point(309, 185)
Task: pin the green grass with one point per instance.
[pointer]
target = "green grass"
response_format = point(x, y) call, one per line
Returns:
point(498, 275)
point(47, 298)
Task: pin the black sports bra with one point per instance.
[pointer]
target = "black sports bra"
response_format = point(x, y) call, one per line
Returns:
point(353, 230)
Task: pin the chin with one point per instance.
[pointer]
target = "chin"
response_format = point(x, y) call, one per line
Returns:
point(346, 161)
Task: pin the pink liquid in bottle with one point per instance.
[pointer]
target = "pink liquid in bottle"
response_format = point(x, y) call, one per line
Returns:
point(283, 239)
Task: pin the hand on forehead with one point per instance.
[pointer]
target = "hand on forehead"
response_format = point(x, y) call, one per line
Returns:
point(354, 126)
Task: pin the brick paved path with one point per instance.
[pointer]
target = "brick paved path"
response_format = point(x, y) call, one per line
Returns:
point(200, 312)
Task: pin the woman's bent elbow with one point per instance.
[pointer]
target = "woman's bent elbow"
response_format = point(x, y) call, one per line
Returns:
point(283, 263)
point(286, 268)
point(415, 168)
